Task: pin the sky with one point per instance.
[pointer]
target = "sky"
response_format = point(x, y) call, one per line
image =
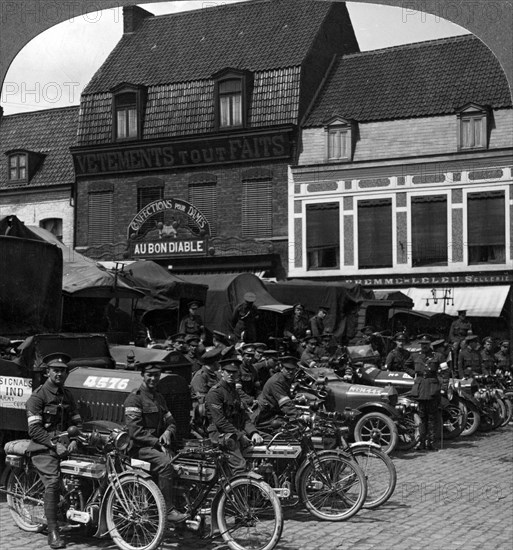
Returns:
point(52, 70)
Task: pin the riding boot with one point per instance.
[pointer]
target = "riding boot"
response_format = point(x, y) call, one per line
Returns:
point(173, 515)
point(51, 501)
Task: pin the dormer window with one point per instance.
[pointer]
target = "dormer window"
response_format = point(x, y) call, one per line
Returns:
point(339, 139)
point(472, 127)
point(232, 88)
point(18, 167)
point(128, 108)
point(22, 165)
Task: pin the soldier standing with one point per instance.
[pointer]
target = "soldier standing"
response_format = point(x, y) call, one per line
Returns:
point(487, 357)
point(192, 322)
point(503, 358)
point(469, 358)
point(152, 427)
point(245, 318)
point(51, 409)
point(317, 321)
point(228, 417)
point(427, 390)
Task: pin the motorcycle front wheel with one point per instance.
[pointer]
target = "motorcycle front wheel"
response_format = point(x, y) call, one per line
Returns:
point(332, 488)
point(454, 418)
point(25, 499)
point(136, 514)
point(408, 431)
point(380, 473)
point(378, 428)
point(249, 515)
point(509, 410)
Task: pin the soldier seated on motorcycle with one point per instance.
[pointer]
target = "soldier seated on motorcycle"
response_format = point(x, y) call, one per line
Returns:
point(228, 418)
point(51, 409)
point(275, 401)
point(399, 359)
point(310, 356)
point(152, 428)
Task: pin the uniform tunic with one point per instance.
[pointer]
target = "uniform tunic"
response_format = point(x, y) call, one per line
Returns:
point(317, 326)
point(275, 399)
point(469, 362)
point(459, 330)
point(503, 361)
point(191, 324)
point(399, 359)
point(202, 381)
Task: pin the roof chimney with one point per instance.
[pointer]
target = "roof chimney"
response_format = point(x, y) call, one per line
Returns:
point(133, 16)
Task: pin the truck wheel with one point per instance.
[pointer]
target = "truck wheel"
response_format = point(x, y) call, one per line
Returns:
point(25, 499)
point(379, 428)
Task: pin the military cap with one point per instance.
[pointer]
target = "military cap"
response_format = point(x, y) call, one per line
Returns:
point(228, 351)
point(248, 349)
point(425, 339)
point(178, 337)
point(249, 297)
point(57, 360)
point(289, 362)
point(471, 338)
point(231, 364)
point(437, 343)
point(505, 344)
point(298, 305)
point(222, 337)
point(400, 337)
point(211, 356)
point(488, 339)
point(193, 303)
point(310, 338)
point(368, 329)
point(260, 346)
point(324, 308)
point(462, 311)
point(328, 333)
point(271, 352)
point(151, 366)
point(192, 338)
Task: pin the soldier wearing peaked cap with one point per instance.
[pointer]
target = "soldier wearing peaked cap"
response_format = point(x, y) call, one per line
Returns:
point(297, 325)
point(487, 356)
point(399, 359)
point(152, 428)
point(244, 319)
point(317, 321)
point(228, 417)
point(192, 323)
point(51, 409)
point(503, 358)
point(469, 358)
point(310, 357)
point(207, 376)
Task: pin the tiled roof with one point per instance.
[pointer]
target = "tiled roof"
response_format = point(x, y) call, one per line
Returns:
point(50, 132)
point(256, 35)
point(413, 80)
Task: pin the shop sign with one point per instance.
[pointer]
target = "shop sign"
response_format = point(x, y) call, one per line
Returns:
point(174, 247)
point(433, 280)
point(223, 150)
point(14, 392)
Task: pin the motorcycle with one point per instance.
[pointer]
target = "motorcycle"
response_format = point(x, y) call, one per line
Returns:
point(100, 489)
point(330, 485)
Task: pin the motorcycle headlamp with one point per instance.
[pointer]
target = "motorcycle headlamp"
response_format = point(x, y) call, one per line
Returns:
point(400, 408)
point(120, 439)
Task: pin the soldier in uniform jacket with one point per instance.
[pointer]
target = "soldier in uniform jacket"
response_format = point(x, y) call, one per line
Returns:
point(399, 359)
point(427, 390)
point(502, 357)
point(192, 322)
point(207, 376)
point(275, 400)
point(469, 358)
point(297, 325)
point(192, 342)
point(152, 428)
point(245, 318)
point(317, 322)
point(228, 416)
point(487, 357)
point(51, 409)
point(248, 381)
point(310, 356)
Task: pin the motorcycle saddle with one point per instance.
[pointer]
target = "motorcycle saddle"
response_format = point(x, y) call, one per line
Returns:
point(17, 447)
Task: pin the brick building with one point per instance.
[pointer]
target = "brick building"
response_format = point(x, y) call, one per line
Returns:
point(404, 178)
point(187, 131)
point(36, 169)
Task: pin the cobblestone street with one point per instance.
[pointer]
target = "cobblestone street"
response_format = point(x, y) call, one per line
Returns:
point(460, 497)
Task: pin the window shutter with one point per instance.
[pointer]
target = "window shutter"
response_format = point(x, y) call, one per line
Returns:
point(100, 218)
point(375, 233)
point(486, 219)
point(429, 230)
point(257, 208)
point(204, 197)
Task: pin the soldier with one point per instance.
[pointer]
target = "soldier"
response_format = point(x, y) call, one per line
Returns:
point(207, 376)
point(469, 358)
point(192, 322)
point(51, 409)
point(427, 390)
point(275, 401)
point(459, 330)
point(297, 325)
point(328, 345)
point(265, 367)
point(228, 417)
point(192, 342)
point(399, 359)
point(310, 357)
point(245, 318)
point(152, 428)
point(487, 357)
point(317, 321)
point(502, 357)
point(248, 377)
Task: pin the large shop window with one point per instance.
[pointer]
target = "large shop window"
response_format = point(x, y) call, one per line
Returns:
point(257, 208)
point(429, 230)
point(323, 236)
point(375, 233)
point(145, 196)
point(486, 222)
point(204, 197)
point(100, 216)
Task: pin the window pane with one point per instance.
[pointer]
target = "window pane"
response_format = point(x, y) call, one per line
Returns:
point(323, 236)
point(132, 123)
point(13, 161)
point(338, 144)
point(429, 230)
point(477, 133)
point(121, 123)
point(486, 221)
point(22, 173)
point(224, 107)
point(237, 110)
point(227, 86)
point(466, 133)
point(375, 233)
point(22, 160)
point(13, 174)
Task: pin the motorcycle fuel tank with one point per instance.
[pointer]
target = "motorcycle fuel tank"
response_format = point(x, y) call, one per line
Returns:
point(83, 468)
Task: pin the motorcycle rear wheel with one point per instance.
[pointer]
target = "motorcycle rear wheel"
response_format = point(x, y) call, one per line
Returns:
point(454, 418)
point(334, 488)
point(473, 421)
point(408, 431)
point(136, 514)
point(380, 473)
point(509, 410)
point(379, 428)
point(249, 515)
point(26, 499)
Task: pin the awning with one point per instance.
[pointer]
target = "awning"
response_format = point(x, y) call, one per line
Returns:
point(479, 301)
